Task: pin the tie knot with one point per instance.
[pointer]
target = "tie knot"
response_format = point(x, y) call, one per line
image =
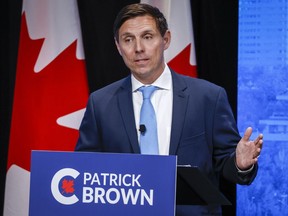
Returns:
point(147, 91)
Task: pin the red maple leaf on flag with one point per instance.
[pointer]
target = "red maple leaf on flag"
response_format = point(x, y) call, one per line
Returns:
point(181, 63)
point(68, 186)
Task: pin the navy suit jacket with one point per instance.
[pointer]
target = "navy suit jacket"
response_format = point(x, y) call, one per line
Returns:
point(203, 133)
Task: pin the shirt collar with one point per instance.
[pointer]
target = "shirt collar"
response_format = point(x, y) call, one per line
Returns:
point(163, 82)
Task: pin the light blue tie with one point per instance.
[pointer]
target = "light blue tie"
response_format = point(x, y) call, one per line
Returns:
point(148, 135)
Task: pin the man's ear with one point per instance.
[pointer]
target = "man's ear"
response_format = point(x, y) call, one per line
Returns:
point(167, 39)
point(117, 45)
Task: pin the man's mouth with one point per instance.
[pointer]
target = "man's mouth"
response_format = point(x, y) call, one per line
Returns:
point(140, 61)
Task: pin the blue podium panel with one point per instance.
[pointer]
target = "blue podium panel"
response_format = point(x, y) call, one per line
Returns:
point(78, 183)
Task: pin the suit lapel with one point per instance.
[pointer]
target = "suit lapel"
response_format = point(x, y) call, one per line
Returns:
point(127, 113)
point(180, 101)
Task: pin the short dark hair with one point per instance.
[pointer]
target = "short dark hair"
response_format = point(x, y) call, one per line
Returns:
point(135, 10)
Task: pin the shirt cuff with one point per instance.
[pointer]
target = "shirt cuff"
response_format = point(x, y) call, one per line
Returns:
point(244, 171)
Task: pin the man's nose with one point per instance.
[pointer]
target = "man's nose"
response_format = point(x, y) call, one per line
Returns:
point(139, 46)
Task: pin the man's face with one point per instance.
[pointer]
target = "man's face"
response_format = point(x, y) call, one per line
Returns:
point(142, 48)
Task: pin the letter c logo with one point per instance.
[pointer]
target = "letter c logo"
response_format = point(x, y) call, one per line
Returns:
point(55, 184)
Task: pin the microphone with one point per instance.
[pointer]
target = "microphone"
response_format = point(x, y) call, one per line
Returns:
point(142, 128)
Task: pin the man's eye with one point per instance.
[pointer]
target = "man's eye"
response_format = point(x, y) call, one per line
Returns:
point(127, 40)
point(148, 37)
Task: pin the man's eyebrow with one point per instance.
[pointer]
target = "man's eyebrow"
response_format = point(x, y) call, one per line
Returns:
point(128, 34)
point(149, 31)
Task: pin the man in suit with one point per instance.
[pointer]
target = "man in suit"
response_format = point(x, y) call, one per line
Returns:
point(194, 118)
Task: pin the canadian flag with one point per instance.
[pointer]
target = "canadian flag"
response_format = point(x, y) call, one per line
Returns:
point(50, 94)
point(181, 53)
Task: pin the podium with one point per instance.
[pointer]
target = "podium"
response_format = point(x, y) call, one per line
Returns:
point(90, 183)
point(82, 183)
point(194, 188)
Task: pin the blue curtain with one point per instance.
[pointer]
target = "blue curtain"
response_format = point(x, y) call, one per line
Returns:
point(263, 102)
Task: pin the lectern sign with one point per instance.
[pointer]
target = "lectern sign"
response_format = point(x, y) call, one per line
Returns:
point(74, 183)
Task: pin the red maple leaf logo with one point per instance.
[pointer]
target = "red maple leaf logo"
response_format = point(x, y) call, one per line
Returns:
point(68, 186)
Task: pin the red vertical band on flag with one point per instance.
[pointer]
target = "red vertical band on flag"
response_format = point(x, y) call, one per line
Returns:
point(51, 84)
point(41, 98)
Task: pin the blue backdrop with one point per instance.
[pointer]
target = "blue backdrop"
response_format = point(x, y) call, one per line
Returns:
point(263, 102)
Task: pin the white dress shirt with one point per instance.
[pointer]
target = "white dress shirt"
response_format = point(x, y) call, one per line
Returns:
point(162, 100)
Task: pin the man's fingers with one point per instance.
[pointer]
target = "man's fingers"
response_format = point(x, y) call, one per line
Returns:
point(247, 134)
point(259, 141)
point(257, 153)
